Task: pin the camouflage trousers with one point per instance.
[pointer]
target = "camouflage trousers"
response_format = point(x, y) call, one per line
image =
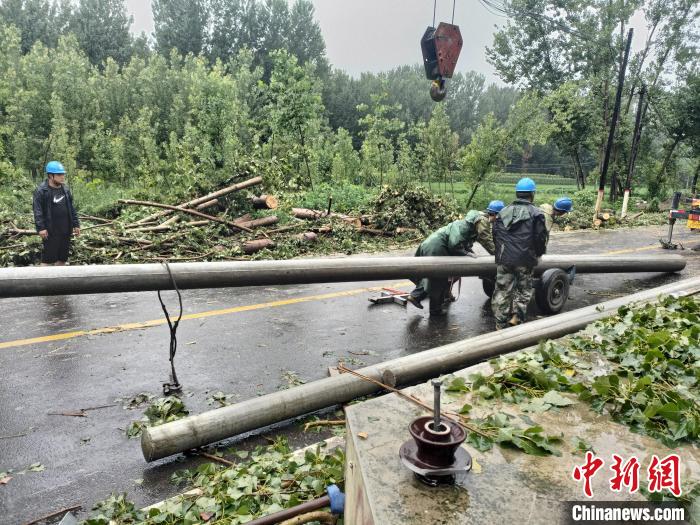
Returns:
point(512, 294)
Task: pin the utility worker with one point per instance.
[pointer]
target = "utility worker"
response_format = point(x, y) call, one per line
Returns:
point(55, 217)
point(520, 235)
point(561, 206)
point(457, 238)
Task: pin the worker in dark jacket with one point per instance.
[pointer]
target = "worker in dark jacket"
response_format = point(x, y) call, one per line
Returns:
point(520, 235)
point(54, 215)
point(457, 238)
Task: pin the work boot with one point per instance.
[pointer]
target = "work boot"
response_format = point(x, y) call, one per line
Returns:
point(514, 321)
point(415, 302)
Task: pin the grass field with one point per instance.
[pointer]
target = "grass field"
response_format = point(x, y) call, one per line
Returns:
point(549, 188)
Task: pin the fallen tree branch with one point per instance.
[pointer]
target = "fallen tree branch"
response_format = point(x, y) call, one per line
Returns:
point(185, 210)
point(205, 198)
point(325, 518)
point(218, 459)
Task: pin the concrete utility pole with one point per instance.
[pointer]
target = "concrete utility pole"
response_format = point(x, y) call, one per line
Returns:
point(40, 281)
point(222, 423)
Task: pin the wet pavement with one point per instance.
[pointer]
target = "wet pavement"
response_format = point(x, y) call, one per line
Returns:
point(243, 342)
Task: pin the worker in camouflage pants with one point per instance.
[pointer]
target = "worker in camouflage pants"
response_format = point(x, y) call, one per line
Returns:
point(457, 238)
point(520, 237)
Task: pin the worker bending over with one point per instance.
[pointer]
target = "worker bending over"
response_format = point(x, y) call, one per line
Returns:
point(520, 237)
point(457, 238)
point(561, 206)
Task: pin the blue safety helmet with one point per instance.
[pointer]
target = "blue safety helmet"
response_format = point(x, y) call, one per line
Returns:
point(55, 168)
point(525, 185)
point(564, 205)
point(495, 206)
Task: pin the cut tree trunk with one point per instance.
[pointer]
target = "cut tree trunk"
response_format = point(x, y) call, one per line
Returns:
point(206, 198)
point(256, 223)
point(269, 202)
point(306, 237)
point(257, 245)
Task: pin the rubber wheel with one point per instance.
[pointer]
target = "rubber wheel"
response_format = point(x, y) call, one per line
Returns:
point(489, 286)
point(553, 291)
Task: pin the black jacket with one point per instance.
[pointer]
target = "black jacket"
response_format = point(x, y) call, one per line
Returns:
point(520, 234)
point(42, 208)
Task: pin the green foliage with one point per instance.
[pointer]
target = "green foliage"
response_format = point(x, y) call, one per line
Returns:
point(346, 197)
point(160, 411)
point(650, 380)
point(413, 207)
point(267, 481)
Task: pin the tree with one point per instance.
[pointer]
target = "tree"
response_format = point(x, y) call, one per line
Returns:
point(484, 155)
point(181, 25)
point(380, 132)
point(570, 124)
point(294, 109)
point(37, 20)
point(441, 147)
point(102, 29)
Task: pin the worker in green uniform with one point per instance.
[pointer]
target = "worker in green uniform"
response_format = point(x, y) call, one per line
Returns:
point(457, 238)
point(561, 206)
point(520, 236)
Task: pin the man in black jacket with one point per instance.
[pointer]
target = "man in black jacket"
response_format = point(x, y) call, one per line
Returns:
point(520, 236)
point(54, 215)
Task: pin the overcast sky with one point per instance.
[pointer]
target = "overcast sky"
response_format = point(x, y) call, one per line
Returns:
point(377, 35)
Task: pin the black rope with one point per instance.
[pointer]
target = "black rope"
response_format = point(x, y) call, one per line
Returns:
point(434, 9)
point(174, 385)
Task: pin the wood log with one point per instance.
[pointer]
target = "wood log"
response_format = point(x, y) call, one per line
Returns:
point(306, 237)
point(257, 245)
point(18, 231)
point(153, 229)
point(171, 221)
point(373, 231)
point(401, 230)
point(604, 216)
point(323, 229)
point(185, 210)
point(304, 213)
point(200, 200)
point(269, 202)
point(207, 204)
point(263, 221)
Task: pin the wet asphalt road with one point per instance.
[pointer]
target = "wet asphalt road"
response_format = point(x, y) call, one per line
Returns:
point(242, 352)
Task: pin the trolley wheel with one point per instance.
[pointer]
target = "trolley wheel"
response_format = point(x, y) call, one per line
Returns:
point(489, 286)
point(553, 291)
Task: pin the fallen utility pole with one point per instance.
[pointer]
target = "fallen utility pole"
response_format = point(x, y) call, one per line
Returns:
point(39, 281)
point(222, 423)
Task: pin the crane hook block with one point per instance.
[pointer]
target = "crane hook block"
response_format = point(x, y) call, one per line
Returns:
point(441, 49)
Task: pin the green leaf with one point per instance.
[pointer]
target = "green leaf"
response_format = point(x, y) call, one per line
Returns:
point(555, 398)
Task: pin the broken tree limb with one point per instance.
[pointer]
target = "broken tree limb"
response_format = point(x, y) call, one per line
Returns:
point(256, 245)
point(200, 200)
point(305, 213)
point(269, 202)
point(263, 221)
point(18, 231)
point(207, 204)
point(373, 231)
point(185, 210)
